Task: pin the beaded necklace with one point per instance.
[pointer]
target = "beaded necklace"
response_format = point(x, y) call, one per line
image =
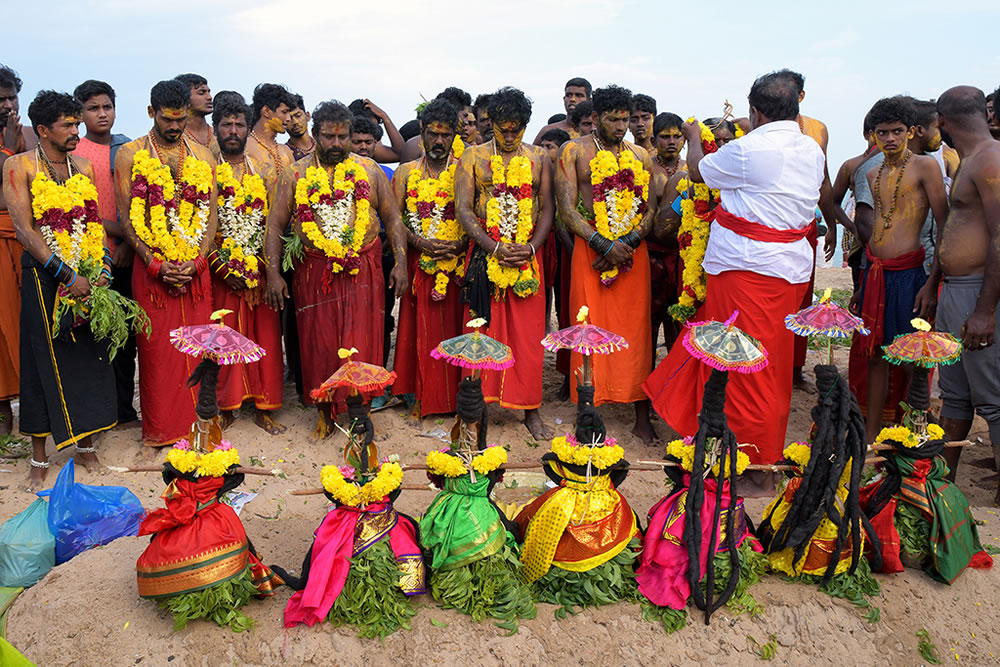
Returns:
point(275, 152)
point(159, 156)
point(49, 169)
point(887, 217)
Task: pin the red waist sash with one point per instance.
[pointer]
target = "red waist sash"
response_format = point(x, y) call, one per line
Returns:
point(758, 232)
point(873, 307)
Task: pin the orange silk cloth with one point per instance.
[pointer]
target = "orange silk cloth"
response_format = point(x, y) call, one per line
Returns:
point(757, 404)
point(519, 323)
point(10, 308)
point(261, 381)
point(622, 308)
point(344, 311)
point(166, 401)
point(423, 323)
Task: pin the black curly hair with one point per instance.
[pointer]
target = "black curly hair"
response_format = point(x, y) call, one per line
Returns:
point(49, 105)
point(440, 110)
point(169, 94)
point(509, 104)
point(612, 98)
point(897, 109)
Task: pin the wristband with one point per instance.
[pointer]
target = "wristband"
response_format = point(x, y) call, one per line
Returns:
point(55, 271)
point(6, 151)
point(70, 283)
point(600, 244)
point(46, 265)
point(493, 254)
point(631, 239)
point(532, 249)
point(200, 264)
point(153, 269)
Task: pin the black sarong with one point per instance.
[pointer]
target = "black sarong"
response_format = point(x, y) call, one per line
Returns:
point(67, 385)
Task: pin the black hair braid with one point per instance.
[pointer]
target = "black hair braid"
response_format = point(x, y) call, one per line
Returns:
point(589, 425)
point(471, 407)
point(712, 424)
point(206, 375)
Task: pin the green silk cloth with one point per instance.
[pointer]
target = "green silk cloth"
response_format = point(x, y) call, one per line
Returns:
point(954, 539)
point(461, 526)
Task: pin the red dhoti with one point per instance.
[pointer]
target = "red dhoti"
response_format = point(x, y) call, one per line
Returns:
point(341, 311)
point(622, 308)
point(423, 323)
point(263, 380)
point(167, 403)
point(802, 342)
point(757, 404)
point(10, 307)
point(518, 322)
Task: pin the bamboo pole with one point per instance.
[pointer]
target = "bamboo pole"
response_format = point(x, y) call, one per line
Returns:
point(245, 471)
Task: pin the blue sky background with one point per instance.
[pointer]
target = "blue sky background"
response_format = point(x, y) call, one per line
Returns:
point(394, 51)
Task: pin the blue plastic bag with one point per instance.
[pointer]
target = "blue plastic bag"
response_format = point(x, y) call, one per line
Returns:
point(83, 516)
point(27, 547)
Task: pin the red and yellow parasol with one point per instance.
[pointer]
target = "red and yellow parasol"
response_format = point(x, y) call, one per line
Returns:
point(586, 339)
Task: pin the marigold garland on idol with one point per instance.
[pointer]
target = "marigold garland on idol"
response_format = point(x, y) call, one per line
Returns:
point(472, 544)
point(699, 531)
point(199, 562)
point(922, 518)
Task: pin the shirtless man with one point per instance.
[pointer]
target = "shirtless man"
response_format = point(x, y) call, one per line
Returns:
point(481, 110)
point(14, 139)
point(662, 242)
point(516, 316)
point(462, 101)
point(344, 308)
point(575, 91)
point(844, 182)
point(894, 289)
point(380, 152)
point(272, 108)
point(969, 262)
point(583, 120)
point(623, 305)
point(640, 123)
point(300, 142)
point(199, 112)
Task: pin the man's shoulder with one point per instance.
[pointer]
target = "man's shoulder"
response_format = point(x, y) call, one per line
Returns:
point(202, 153)
point(536, 152)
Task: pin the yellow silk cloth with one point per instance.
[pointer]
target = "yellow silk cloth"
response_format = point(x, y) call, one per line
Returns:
point(577, 526)
point(816, 558)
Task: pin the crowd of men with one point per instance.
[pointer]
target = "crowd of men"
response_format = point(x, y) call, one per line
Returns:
point(923, 159)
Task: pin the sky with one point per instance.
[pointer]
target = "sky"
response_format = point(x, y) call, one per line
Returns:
point(397, 52)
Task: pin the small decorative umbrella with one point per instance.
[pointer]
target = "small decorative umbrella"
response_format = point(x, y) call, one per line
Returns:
point(215, 344)
point(826, 318)
point(724, 347)
point(585, 338)
point(357, 377)
point(475, 351)
point(925, 349)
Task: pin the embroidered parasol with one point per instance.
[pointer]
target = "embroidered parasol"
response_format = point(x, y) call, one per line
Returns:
point(217, 342)
point(585, 338)
point(825, 318)
point(358, 376)
point(724, 347)
point(475, 351)
point(923, 347)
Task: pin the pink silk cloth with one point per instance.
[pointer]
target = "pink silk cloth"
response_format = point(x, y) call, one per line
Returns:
point(663, 565)
point(330, 564)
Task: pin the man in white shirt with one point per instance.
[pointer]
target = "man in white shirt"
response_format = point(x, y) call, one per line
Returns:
point(758, 261)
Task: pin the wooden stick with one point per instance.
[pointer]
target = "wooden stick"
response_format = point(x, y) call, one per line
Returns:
point(956, 443)
point(245, 471)
point(315, 491)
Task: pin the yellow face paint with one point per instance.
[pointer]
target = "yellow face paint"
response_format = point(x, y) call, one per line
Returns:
point(173, 114)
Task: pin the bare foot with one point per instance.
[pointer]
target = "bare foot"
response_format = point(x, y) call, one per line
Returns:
point(563, 393)
point(645, 432)
point(90, 461)
point(533, 422)
point(799, 382)
point(323, 427)
point(36, 480)
point(147, 455)
point(268, 423)
point(227, 418)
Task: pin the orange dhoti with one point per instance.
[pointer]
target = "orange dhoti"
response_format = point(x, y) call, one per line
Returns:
point(338, 311)
point(518, 322)
point(423, 323)
point(622, 308)
point(10, 307)
point(167, 403)
point(757, 404)
point(263, 380)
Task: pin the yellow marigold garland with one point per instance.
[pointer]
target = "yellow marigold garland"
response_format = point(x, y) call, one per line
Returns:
point(508, 220)
point(683, 451)
point(692, 236)
point(798, 453)
point(935, 432)
point(69, 221)
point(623, 184)
point(242, 214)
point(899, 434)
point(430, 208)
point(601, 455)
point(215, 463)
point(175, 225)
point(325, 212)
point(347, 492)
point(449, 465)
